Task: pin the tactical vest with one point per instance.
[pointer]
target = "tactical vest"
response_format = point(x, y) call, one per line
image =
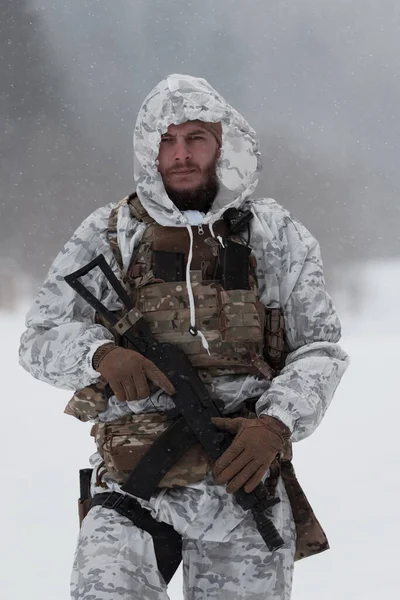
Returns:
point(243, 337)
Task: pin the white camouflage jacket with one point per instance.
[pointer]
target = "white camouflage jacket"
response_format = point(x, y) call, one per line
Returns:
point(61, 335)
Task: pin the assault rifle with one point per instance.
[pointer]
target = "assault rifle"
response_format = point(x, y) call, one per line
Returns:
point(193, 410)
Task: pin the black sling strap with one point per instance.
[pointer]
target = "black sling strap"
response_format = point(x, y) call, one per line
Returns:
point(162, 455)
point(167, 542)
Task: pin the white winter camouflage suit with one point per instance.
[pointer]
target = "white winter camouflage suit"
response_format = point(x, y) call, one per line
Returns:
point(224, 556)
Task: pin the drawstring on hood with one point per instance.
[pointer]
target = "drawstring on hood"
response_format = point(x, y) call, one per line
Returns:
point(193, 329)
point(194, 217)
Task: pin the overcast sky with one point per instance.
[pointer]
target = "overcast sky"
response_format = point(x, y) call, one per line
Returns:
point(325, 71)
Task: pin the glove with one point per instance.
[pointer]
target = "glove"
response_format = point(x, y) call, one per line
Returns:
point(248, 458)
point(126, 372)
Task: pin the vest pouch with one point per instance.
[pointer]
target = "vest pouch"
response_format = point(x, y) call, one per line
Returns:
point(234, 265)
point(123, 444)
point(275, 350)
point(241, 319)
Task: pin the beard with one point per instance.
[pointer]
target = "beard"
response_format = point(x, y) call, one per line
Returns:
point(200, 198)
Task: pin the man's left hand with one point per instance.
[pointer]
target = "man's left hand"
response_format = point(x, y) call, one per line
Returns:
point(248, 458)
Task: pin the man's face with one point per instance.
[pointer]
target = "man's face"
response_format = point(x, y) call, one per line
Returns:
point(187, 163)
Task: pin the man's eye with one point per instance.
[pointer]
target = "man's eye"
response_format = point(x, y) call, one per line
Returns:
point(196, 137)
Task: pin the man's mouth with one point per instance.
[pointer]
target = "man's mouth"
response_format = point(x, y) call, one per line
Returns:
point(183, 172)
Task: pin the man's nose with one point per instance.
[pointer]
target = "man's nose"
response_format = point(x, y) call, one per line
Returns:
point(182, 151)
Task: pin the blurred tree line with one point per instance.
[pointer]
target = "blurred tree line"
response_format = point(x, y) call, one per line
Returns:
point(63, 156)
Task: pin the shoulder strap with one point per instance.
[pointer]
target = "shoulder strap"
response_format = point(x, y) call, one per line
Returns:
point(137, 210)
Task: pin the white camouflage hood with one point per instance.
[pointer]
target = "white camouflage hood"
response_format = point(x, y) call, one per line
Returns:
point(175, 100)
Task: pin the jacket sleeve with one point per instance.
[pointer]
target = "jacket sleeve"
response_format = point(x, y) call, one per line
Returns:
point(61, 335)
point(300, 395)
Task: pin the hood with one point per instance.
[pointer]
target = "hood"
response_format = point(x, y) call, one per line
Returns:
point(175, 100)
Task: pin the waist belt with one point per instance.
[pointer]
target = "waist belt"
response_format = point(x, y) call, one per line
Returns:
point(167, 542)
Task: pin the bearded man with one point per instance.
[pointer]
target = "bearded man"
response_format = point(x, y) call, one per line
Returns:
point(237, 283)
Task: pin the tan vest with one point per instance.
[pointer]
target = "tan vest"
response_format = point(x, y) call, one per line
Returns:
point(242, 336)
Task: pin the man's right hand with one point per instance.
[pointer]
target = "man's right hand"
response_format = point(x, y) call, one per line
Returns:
point(127, 372)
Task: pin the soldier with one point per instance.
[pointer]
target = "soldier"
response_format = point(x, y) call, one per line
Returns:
point(238, 284)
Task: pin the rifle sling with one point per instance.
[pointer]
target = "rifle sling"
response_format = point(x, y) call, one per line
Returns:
point(159, 459)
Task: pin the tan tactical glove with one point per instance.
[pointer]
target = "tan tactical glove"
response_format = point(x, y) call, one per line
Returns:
point(248, 458)
point(126, 372)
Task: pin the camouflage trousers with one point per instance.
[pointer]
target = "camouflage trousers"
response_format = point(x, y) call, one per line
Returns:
point(224, 557)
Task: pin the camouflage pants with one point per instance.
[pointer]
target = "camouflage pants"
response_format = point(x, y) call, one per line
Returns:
point(224, 556)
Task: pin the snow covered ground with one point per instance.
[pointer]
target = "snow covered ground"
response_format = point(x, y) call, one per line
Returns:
point(349, 468)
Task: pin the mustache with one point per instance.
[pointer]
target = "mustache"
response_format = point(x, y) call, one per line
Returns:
point(187, 167)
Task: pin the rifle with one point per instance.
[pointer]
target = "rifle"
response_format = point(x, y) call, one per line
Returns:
point(193, 405)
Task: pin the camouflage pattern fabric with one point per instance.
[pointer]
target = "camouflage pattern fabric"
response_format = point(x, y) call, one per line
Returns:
point(86, 404)
point(177, 99)
point(62, 334)
point(224, 315)
point(224, 556)
point(229, 320)
point(233, 321)
point(122, 444)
